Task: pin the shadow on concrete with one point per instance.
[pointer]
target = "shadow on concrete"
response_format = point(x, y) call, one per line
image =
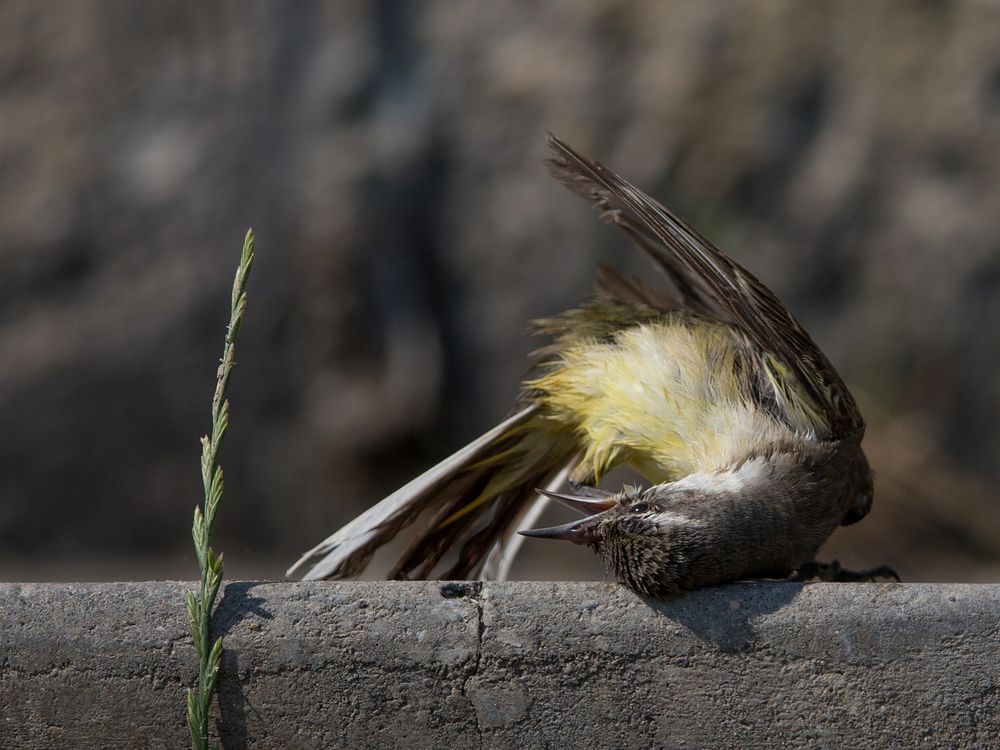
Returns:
point(236, 605)
point(724, 615)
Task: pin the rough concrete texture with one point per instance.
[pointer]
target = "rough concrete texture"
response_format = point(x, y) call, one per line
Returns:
point(431, 665)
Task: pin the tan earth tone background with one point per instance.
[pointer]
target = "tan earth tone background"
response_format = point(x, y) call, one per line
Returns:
point(388, 155)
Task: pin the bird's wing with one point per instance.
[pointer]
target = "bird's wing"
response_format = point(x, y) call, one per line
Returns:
point(445, 486)
point(710, 283)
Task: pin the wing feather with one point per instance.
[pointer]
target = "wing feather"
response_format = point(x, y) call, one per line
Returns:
point(347, 550)
point(711, 283)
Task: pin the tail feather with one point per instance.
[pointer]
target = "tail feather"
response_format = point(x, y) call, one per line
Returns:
point(347, 551)
point(453, 520)
point(507, 510)
point(501, 556)
point(477, 521)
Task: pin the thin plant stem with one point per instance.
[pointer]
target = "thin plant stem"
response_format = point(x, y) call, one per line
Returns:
point(199, 608)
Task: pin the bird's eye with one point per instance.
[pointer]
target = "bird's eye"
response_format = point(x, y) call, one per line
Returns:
point(640, 508)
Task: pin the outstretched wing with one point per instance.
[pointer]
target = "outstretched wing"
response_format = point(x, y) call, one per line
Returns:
point(710, 283)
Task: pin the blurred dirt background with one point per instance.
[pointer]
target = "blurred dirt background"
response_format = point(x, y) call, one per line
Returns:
point(388, 155)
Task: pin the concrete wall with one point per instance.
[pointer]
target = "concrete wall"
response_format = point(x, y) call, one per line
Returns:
point(516, 665)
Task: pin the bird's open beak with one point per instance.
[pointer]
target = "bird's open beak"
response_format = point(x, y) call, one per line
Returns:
point(583, 531)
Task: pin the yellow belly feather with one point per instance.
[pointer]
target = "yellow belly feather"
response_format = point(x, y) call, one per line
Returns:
point(661, 397)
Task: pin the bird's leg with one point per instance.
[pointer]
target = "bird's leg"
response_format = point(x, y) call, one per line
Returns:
point(831, 572)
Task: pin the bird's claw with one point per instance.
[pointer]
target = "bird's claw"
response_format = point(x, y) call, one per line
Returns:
point(832, 572)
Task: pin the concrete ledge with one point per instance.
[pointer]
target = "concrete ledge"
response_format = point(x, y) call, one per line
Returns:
point(515, 665)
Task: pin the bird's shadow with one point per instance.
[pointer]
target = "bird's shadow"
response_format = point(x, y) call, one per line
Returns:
point(724, 615)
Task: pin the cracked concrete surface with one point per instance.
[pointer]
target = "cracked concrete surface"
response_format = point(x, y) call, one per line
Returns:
point(513, 665)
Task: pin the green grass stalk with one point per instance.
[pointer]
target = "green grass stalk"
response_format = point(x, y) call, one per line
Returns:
point(199, 608)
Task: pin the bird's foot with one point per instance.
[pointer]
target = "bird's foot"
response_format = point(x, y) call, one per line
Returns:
point(831, 572)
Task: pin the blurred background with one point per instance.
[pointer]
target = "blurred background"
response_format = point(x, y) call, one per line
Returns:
point(389, 157)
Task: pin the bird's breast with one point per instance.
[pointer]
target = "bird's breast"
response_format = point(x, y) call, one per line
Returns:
point(664, 397)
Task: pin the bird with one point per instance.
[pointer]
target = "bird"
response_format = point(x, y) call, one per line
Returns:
point(707, 387)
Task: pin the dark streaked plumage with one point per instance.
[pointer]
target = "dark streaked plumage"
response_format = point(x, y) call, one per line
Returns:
point(712, 391)
point(763, 519)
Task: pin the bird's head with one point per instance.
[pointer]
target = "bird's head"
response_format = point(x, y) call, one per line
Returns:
point(641, 535)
